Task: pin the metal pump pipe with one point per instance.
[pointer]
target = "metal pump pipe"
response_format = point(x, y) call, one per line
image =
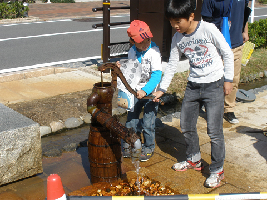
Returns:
point(110, 122)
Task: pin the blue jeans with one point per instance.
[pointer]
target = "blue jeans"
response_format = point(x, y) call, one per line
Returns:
point(147, 124)
point(211, 95)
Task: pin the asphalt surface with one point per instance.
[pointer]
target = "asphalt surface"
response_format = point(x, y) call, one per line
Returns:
point(45, 43)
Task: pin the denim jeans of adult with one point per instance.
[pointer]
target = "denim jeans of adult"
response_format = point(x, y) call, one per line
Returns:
point(147, 124)
point(210, 95)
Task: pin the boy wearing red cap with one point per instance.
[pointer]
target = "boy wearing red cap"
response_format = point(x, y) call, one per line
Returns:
point(148, 55)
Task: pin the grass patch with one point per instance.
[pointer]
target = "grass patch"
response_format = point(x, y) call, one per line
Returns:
point(253, 70)
point(256, 65)
point(178, 84)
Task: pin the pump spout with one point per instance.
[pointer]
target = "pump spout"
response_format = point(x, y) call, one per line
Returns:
point(111, 123)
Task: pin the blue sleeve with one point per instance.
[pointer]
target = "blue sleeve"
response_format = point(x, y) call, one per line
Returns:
point(153, 81)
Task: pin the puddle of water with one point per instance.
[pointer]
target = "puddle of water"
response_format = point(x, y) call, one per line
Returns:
point(65, 141)
point(32, 188)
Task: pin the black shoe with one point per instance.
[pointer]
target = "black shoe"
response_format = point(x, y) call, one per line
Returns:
point(146, 154)
point(230, 117)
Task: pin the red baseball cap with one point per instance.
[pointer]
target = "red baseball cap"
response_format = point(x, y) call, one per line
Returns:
point(139, 31)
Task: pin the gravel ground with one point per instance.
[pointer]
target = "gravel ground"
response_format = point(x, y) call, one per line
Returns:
point(60, 107)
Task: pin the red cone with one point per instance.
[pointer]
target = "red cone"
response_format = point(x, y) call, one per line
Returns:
point(55, 189)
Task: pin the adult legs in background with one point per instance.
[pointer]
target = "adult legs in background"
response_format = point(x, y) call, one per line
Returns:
point(229, 101)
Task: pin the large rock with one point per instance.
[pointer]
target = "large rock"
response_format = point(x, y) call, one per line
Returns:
point(45, 130)
point(56, 126)
point(73, 122)
point(20, 146)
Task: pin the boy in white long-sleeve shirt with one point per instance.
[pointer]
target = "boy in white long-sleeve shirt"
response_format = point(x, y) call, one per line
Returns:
point(148, 55)
point(210, 78)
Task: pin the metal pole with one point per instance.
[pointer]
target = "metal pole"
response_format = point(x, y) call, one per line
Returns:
point(106, 31)
point(252, 12)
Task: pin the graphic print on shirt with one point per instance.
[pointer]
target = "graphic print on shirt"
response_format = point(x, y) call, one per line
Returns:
point(198, 56)
point(197, 52)
point(131, 70)
point(146, 63)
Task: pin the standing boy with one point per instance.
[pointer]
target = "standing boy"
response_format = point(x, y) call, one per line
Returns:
point(213, 11)
point(148, 54)
point(209, 80)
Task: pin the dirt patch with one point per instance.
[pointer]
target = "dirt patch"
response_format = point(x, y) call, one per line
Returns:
point(60, 107)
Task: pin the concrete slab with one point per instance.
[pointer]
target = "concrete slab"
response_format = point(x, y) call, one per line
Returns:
point(8, 96)
point(46, 87)
point(12, 120)
point(79, 75)
point(25, 90)
point(20, 146)
point(97, 78)
point(6, 77)
point(244, 156)
point(81, 79)
point(38, 72)
point(241, 142)
point(65, 85)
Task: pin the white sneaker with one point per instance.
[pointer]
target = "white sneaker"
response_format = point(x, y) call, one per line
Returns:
point(214, 180)
point(185, 165)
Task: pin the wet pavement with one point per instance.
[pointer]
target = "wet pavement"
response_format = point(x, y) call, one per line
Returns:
point(54, 145)
point(246, 146)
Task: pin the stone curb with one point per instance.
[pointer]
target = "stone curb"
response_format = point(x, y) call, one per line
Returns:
point(73, 122)
point(43, 71)
point(31, 73)
point(19, 20)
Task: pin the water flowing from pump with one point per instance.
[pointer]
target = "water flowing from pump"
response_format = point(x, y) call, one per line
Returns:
point(135, 156)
